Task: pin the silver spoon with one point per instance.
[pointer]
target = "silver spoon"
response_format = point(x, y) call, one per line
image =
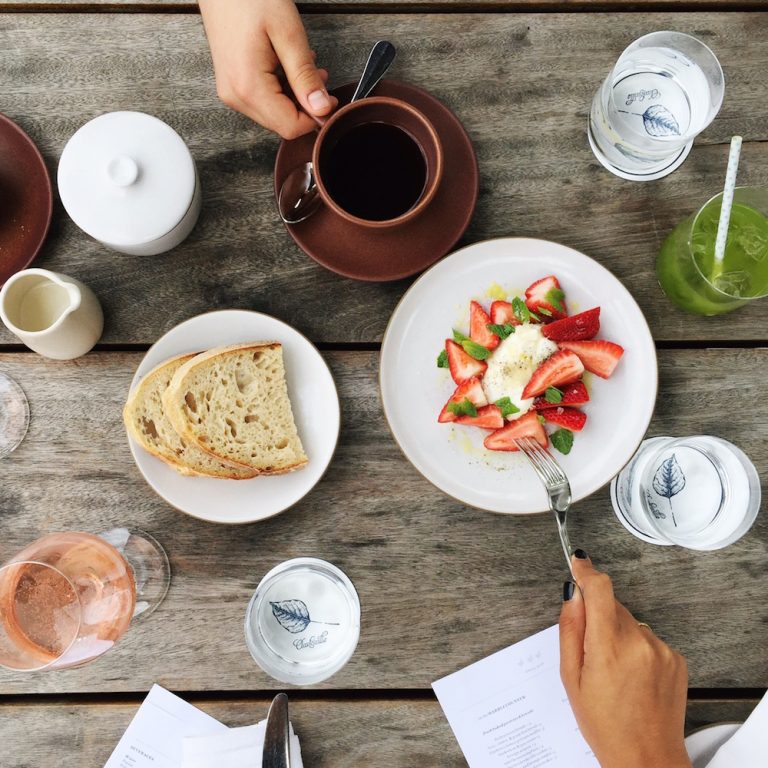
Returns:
point(298, 198)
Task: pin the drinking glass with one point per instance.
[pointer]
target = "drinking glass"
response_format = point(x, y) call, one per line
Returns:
point(14, 415)
point(67, 598)
point(686, 262)
point(698, 492)
point(665, 89)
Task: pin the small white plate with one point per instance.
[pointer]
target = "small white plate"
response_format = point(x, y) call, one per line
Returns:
point(315, 404)
point(703, 744)
point(414, 389)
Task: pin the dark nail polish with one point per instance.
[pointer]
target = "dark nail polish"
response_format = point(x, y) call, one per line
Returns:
point(568, 589)
point(580, 554)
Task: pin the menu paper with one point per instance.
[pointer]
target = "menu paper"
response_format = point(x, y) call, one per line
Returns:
point(156, 733)
point(510, 710)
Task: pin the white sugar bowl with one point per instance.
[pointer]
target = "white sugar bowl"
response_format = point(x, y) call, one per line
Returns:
point(128, 180)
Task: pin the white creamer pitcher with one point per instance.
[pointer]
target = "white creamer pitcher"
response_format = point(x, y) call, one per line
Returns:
point(54, 315)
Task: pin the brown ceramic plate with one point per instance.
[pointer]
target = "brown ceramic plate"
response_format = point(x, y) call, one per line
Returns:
point(379, 255)
point(26, 199)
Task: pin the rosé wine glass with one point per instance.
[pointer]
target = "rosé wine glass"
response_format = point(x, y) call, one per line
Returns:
point(67, 598)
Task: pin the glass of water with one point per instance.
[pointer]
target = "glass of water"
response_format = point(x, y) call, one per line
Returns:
point(665, 89)
point(697, 492)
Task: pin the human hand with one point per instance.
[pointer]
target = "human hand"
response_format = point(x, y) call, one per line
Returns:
point(627, 688)
point(250, 41)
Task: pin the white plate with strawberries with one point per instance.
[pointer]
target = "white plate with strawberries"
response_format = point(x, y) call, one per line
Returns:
point(514, 338)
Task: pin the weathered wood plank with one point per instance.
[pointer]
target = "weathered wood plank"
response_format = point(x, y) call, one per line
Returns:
point(428, 569)
point(373, 5)
point(334, 733)
point(521, 83)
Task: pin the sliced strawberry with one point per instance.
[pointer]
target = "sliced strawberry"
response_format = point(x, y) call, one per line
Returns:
point(573, 394)
point(585, 325)
point(526, 426)
point(478, 327)
point(488, 418)
point(503, 314)
point(562, 368)
point(538, 296)
point(600, 357)
point(471, 390)
point(570, 418)
point(463, 366)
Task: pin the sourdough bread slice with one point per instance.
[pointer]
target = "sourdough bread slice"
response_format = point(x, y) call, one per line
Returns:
point(147, 425)
point(233, 403)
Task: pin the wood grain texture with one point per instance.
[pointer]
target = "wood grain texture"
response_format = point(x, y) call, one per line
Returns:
point(521, 83)
point(441, 585)
point(395, 733)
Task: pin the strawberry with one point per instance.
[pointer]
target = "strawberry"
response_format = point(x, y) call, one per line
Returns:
point(573, 394)
point(526, 426)
point(569, 418)
point(562, 368)
point(478, 331)
point(546, 295)
point(502, 314)
point(463, 366)
point(585, 325)
point(470, 390)
point(488, 417)
point(600, 357)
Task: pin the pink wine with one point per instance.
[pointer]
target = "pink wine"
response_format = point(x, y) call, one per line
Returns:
point(66, 599)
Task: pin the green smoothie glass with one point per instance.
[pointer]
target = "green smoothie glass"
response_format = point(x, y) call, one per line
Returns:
point(686, 265)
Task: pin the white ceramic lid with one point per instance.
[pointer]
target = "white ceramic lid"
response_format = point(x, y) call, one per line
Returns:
point(126, 178)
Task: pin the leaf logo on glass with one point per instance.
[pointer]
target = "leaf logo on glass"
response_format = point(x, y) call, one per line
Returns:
point(293, 616)
point(668, 481)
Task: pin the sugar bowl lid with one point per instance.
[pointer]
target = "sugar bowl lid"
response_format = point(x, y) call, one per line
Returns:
point(126, 178)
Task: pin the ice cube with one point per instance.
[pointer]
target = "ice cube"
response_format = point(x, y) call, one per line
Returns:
point(753, 242)
point(735, 283)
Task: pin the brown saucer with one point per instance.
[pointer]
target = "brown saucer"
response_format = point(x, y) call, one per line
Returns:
point(392, 254)
point(26, 199)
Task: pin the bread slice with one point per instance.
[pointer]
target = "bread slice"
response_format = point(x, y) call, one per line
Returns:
point(232, 402)
point(147, 425)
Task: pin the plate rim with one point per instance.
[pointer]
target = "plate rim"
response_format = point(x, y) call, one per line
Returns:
point(425, 275)
point(135, 447)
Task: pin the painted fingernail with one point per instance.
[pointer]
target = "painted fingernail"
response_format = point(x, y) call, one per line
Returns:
point(319, 100)
point(568, 589)
point(580, 554)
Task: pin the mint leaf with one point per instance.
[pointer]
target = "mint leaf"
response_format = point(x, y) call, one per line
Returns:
point(506, 406)
point(502, 331)
point(459, 337)
point(562, 440)
point(545, 311)
point(464, 408)
point(522, 313)
point(442, 360)
point(553, 395)
point(555, 297)
point(473, 349)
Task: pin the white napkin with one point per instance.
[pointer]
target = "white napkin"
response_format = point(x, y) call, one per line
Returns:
point(748, 747)
point(233, 748)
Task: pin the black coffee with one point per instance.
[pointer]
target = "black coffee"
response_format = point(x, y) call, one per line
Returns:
point(375, 171)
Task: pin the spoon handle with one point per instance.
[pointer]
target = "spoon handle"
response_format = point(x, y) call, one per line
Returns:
point(381, 56)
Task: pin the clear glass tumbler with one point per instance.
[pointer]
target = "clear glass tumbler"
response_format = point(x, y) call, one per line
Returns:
point(698, 492)
point(686, 263)
point(665, 89)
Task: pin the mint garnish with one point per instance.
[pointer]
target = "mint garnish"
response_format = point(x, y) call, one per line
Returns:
point(506, 406)
point(464, 408)
point(442, 360)
point(502, 331)
point(522, 313)
point(553, 395)
point(459, 337)
point(562, 440)
point(473, 349)
point(555, 297)
point(545, 311)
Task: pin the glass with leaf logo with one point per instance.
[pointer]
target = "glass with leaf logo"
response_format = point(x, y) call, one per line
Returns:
point(664, 90)
point(698, 492)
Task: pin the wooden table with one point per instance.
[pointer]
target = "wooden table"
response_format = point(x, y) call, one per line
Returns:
point(429, 570)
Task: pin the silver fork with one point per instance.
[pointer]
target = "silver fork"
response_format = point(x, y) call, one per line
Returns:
point(556, 483)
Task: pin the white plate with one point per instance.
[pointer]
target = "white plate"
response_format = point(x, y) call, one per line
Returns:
point(703, 744)
point(315, 405)
point(414, 389)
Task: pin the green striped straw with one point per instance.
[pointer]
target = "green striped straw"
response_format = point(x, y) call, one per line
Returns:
point(726, 205)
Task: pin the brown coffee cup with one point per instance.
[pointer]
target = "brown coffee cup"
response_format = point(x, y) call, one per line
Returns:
point(345, 128)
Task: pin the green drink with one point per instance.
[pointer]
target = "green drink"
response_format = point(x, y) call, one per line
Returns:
point(686, 265)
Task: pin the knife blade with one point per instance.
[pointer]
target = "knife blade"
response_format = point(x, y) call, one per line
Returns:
point(277, 744)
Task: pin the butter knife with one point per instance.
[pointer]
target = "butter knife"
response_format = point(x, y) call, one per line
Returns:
point(277, 741)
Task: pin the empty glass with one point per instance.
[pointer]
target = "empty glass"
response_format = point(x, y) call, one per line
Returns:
point(665, 89)
point(698, 492)
point(14, 415)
